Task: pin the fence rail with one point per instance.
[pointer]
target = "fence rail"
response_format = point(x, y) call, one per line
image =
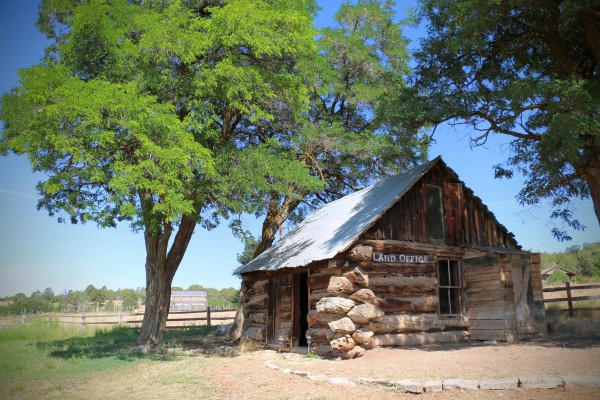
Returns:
point(570, 298)
point(201, 317)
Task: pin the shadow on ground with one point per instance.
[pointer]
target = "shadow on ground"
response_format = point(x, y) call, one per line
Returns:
point(118, 343)
point(563, 341)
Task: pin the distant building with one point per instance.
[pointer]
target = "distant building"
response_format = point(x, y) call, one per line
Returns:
point(188, 300)
point(546, 272)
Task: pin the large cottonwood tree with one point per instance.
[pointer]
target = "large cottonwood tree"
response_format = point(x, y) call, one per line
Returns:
point(527, 69)
point(141, 112)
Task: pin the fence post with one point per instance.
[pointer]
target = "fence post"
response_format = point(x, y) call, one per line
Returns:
point(208, 315)
point(83, 319)
point(120, 317)
point(569, 300)
point(22, 318)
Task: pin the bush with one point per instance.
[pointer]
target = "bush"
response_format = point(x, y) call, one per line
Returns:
point(557, 277)
point(29, 305)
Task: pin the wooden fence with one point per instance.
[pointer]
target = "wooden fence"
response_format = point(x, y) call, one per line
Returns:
point(568, 288)
point(133, 319)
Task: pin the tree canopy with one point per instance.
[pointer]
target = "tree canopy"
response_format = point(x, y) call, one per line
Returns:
point(346, 137)
point(142, 111)
point(525, 69)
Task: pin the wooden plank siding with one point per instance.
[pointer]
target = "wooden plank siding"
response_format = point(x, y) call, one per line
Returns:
point(486, 304)
point(509, 310)
point(467, 221)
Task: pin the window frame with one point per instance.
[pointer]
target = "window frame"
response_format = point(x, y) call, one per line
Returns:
point(459, 309)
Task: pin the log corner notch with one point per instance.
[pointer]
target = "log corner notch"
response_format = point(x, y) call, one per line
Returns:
point(340, 327)
point(361, 253)
point(253, 309)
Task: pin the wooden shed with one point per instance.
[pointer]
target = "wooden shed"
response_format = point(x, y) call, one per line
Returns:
point(414, 259)
point(546, 272)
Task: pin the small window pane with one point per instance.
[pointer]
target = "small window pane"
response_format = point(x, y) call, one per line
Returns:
point(444, 301)
point(454, 300)
point(444, 273)
point(450, 286)
point(454, 273)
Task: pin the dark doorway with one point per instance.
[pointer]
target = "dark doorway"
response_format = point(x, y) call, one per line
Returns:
point(302, 308)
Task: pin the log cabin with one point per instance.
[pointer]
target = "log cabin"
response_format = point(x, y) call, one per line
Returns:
point(414, 259)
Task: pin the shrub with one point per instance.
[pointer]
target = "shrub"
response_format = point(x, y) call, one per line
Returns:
point(557, 277)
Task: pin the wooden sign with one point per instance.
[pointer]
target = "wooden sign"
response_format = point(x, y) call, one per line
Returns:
point(404, 258)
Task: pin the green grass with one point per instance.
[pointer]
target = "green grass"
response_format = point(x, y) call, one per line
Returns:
point(585, 321)
point(41, 357)
point(311, 356)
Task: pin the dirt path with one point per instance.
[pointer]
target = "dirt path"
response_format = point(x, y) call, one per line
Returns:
point(245, 376)
point(465, 361)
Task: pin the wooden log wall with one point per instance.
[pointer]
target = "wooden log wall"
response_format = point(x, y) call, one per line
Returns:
point(254, 306)
point(318, 280)
point(467, 221)
point(268, 306)
point(403, 297)
point(405, 294)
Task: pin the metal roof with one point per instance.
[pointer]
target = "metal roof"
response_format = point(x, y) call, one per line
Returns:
point(334, 227)
point(188, 293)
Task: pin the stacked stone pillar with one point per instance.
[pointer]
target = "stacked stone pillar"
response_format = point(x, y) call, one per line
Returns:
point(340, 325)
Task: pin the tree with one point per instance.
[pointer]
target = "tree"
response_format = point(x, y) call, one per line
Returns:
point(90, 288)
point(96, 295)
point(588, 259)
point(130, 299)
point(19, 296)
point(247, 255)
point(31, 305)
point(78, 299)
point(139, 113)
point(48, 294)
point(346, 136)
point(195, 287)
point(525, 69)
point(557, 277)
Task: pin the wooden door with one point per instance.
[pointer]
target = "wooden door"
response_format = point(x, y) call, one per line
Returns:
point(523, 296)
point(272, 312)
point(279, 309)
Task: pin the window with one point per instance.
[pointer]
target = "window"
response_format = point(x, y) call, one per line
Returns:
point(450, 287)
point(435, 214)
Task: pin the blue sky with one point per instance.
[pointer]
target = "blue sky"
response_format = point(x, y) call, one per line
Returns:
point(36, 252)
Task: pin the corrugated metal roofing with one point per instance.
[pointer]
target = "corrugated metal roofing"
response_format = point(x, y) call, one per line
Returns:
point(333, 228)
point(188, 293)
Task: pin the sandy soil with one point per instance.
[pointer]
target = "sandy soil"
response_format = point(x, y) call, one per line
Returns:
point(463, 360)
point(243, 375)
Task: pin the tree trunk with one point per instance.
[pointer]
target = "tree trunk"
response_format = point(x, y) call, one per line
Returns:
point(276, 216)
point(594, 184)
point(589, 170)
point(160, 271)
point(158, 299)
